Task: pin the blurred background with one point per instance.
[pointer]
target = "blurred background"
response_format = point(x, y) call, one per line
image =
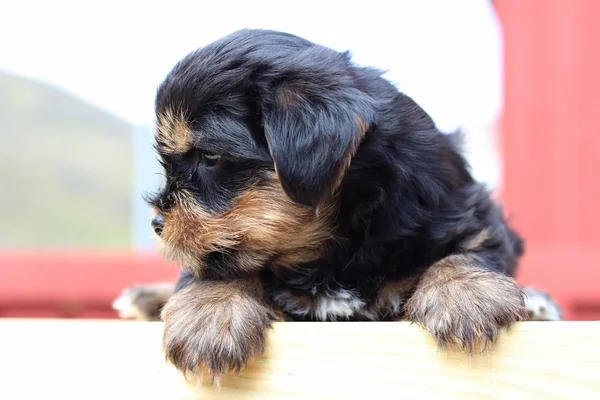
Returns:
point(77, 86)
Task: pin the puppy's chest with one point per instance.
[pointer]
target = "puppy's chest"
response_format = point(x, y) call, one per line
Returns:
point(343, 304)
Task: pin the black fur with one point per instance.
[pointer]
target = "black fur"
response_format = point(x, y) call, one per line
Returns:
point(408, 198)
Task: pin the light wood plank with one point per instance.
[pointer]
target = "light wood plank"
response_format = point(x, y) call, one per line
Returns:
point(100, 359)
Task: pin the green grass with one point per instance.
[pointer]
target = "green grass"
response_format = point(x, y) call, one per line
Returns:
point(65, 170)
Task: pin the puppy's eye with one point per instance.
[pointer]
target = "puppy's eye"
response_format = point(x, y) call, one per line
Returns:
point(210, 159)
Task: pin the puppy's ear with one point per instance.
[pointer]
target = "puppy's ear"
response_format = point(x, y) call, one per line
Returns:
point(314, 124)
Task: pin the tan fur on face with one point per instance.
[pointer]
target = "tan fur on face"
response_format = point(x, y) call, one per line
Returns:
point(173, 133)
point(460, 302)
point(262, 223)
point(216, 327)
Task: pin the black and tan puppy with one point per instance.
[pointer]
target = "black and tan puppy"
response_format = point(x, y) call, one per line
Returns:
point(298, 181)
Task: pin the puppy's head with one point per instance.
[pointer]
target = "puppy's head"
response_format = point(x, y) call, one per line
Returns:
point(255, 133)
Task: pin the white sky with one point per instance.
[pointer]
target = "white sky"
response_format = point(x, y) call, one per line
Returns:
point(443, 53)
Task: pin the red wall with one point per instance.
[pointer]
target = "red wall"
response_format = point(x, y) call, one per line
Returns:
point(551, 142)
point(71, 283)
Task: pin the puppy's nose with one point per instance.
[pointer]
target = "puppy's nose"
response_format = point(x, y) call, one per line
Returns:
point(158, 223)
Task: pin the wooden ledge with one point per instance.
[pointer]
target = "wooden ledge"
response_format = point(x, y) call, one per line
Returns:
point(105, 359)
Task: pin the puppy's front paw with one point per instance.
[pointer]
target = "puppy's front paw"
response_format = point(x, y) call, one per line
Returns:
point(211, 337)
point(466, 306)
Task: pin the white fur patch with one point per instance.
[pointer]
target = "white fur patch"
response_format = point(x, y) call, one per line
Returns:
point(341, 304)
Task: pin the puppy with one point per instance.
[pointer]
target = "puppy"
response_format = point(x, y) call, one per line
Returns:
point(297, 181)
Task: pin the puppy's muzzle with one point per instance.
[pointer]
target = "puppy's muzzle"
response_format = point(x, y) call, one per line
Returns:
point(158, 224)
